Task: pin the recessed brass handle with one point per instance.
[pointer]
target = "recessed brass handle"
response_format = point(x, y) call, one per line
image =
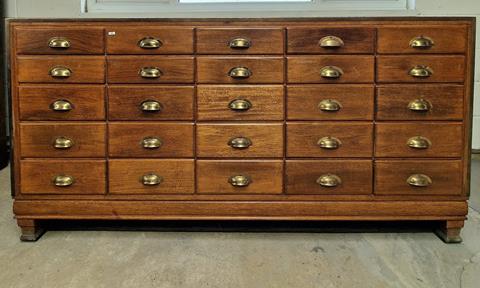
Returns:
point(330, 143)
point(59, 43)
point(240, 43)
point(149, 43)
point(421, 42)
point(329, 180)
point(60, 72)
point(331, 72)
point(240, 143)
point(419, 142)
point(61, 106)
point(240, 180)
point(331, 42)
point(240, 73)
point(151, 106)
point(420, 71)
point(150, 72)
point(63, 142)
point(63, 180)
point(419, 105)
point(329, 105)
point(240, 105)
point(419, 180)
point(151, 179)
point(151, 143)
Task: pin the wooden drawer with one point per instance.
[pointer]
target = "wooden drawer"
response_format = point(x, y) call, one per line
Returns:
point(329, 177)
point(332, 40)
point(442, 68)
point(240, 140)
point(240, 102)
point(62, 140)
point(240, 177)
point(418, 139)
point(330, 102)
point(394, 177)
point(418, 39)
point(149, 40)
point(147, 176)
point(415, 102)
point(155, 69)
point(240, 41)
point(59, 40)
point(328, 139)
point(83, 69)
point(254, 69)
point(52, 102)
point(150, 103)
point(150, 139)
point(335, 69)
point(62, 176)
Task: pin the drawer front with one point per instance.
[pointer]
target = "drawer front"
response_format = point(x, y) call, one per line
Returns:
point(150, 40)
point(419, 140)
point(420, 68)
point(50, 102)
point(335, 40)
point(330, 69)
point(240, 70)
point(150, 69)
point(240, 103)
point(330, 102)
point(150, 140)
point(240, 140)
point(62, 176)
point(418, 177)
point(425, 102)
point(148, 176)
point(62, 140)
point(61, 69)
point(150, 103)
point(240, 177)
point(327, 139)
point(59, 40)
point(330, 177)
point(422, 39)
point(240, 41)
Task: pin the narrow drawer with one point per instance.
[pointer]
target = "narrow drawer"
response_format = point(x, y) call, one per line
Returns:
point(62, 176)
point(330, 69)
point(422, 39)
point(43, 40)
point(240, 102)
point(420, 68)
point(420, 102)
point(150, 140)
point(149, 40)
point(330, 102)
point(240, 177)
point(62, 140)
point(419, 139)
point(334, 40)
point(147, 176)
point(240, 41)
point(329, 177)
point(240, 140)
point(150, 102)
point(150, 69)
point(327, 139)
point(52, 102)
point(240, 70)
point(418, 177)
point(61, 69)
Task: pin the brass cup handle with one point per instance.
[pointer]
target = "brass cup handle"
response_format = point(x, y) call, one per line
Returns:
point(329, 180)
point(60, 72)
point(420, 105)
point(151, 179)
point(419, 180)
point(419, 142)
point(149, 43)
point(239, 180)
point(329, 105)
point(240, 73)
point(240, 105)
point(61, 106)
point(59, 43)
point(331, 72)
point(151, 143)
point(63, 180)
point(150, 72)
point(421, 42)
point(330, 143)
point(151, 106)
point(240, 43)
point(420, 71)
point(63, 142)
point(331, 42)
point(240, 143)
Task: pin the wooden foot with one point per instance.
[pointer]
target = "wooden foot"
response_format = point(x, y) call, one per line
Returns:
point(30, 230)
point(450, 231)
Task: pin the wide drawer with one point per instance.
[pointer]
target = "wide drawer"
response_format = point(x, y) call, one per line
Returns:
point(51, 102)
point(240, 41)
point(330, 102)
point(240, 140)
point(150, 139)
point(149, 40)
point(240, 70)
point(329, 177)
point(150, 102)
point(150, 69)
point(61, 69)
point(330, 69)
point(327, 139)
point(240, 103)
point(62, 140)
point(423, 177)
point(62, 176)
point(240, 177)
point(147, 176)
point(418, 139)
point(420, 102)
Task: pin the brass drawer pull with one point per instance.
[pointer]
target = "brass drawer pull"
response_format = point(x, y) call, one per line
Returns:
point(63, 180)
point(150, 72)
point(331, 72)
point(151, 179)
point(61, 106)
point(421, 42)
point(151, 143)
point(419, 142)
point(240, 73)
point(149, 43)
point(419, 180)
point(239, 43)
point(151, 106)
point(331, 42)
point(329, 105)
point(60, 72)
point(240, 105)
point(420, 71)
point(419, 105)
point(240, 180)
point(58, 43)
point(240, 143)
point(329, 180)
point(63, 142)
point(330, 143)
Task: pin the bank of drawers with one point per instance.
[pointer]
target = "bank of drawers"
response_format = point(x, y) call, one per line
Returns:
point(267, 110)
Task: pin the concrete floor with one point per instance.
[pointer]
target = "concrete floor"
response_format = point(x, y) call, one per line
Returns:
point(119, 259)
